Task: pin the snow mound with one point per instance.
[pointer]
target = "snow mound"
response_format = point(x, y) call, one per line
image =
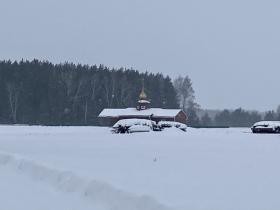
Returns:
point(139, 128)
point(131, 122)
point(66, 181)
point(169, 124)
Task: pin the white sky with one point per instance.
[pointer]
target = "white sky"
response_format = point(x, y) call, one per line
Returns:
point(230, 49)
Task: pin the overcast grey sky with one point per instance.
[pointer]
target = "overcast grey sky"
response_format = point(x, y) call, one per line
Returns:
point(230, 49)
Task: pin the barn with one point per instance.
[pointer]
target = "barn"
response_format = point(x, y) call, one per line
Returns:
point(143, 110)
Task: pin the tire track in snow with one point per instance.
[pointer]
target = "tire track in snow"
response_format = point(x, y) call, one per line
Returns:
point(66, 181)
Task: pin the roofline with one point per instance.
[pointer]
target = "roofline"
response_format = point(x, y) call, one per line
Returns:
point(135, 108)
point(183, 112)
point(154, 116)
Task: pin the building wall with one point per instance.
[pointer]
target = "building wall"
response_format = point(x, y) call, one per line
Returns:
point(181, 117)
point(108, 121)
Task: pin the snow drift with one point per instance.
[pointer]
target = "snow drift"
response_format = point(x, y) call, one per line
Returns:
point(66, 181)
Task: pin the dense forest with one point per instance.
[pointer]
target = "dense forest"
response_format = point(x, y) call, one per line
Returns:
point(243, 118)
point(35, 92)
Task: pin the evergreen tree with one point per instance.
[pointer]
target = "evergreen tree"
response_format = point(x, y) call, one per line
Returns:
point(35, 92)
point(270, 116)
point(278, 113)
point(206, 120)
point(223, 118)
point(237, 118)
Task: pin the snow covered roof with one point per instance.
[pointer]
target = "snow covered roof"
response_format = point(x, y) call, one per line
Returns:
point(144, 102)
point(156, 112)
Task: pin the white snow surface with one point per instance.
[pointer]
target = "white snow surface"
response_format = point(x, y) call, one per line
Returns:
point(73, 168)
point(156, 112)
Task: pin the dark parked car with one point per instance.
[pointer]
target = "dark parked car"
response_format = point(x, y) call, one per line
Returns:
point(266, 127)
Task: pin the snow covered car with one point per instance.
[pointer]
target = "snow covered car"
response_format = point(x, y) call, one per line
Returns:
point(169, 124)
point(266, 127)
point(133, 125)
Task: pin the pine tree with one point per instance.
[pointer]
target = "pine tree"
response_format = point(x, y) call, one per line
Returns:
point(206, 120)
point(35, 92)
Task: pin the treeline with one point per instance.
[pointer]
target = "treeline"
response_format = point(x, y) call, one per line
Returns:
point(226, 118)
point(35, 92)
point(237, 118)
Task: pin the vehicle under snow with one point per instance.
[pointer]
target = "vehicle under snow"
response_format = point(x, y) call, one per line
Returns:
point(143, 125)
point(169, 124)
point(133, 125)
point(266, 127)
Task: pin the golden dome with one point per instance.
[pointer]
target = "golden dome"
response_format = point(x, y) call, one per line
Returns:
point(142, 95)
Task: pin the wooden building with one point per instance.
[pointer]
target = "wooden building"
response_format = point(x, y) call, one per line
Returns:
point(143, 110)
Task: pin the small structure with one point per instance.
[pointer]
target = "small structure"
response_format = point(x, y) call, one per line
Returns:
point(142, 111)
point(143, 103)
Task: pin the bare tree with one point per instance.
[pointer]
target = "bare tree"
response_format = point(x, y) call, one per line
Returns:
point(86, 112)
point(185, 92)
point(13, 95)
point(123, 93)
point(93, 87)
point(76, 93)
point(91, 96)
point(72, 87)
point(110, 89)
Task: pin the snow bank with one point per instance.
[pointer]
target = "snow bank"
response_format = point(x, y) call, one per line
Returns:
point(66, 181)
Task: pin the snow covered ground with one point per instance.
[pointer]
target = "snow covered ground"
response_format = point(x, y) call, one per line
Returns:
point(74, 168)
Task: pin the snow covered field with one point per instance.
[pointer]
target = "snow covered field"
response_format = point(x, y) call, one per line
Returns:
point(82, 168)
